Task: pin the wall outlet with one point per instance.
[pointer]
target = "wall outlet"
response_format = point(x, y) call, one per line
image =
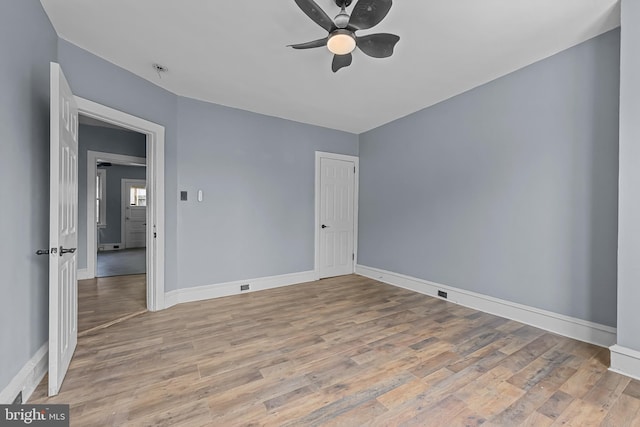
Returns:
point(244, 287)
point(18, 399)
point(442, 294)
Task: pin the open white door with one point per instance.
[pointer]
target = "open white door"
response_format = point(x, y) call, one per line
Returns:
point(63, 230)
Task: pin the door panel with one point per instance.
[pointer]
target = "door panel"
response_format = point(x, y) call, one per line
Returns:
point(337, 183)
point(135, 215)
point(136, 227)
point(63, 229)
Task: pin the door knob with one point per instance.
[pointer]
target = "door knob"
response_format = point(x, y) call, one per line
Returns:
point(46, 251)
point(325, 226)
point(66, 251)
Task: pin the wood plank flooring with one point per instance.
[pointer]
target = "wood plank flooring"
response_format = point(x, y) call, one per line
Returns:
point(347, 351)
point(102, 301)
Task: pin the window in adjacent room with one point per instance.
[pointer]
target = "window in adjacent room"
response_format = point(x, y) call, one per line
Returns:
point(101, 195)
point(138, 196)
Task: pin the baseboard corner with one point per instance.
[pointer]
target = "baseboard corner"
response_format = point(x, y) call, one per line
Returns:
point(83, 274)
point(28, 378)
point(625, 361)
point(171, 298)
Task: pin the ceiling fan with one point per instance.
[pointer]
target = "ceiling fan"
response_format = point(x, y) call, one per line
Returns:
point(342, 39)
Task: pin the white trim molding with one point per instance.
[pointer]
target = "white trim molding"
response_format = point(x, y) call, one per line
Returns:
point(102, 215)
point(28, 378)
point(625, 361)
point(567, 326)
point(201, 293)
point(155, 136)
point(356, 195)
point(83, 274)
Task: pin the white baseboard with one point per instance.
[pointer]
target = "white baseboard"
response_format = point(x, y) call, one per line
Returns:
point(83, 274)
point(103, 247)
point(233, 288)
point(625, 361)
point(571, 327)
point(171, 299)
point(28, 378)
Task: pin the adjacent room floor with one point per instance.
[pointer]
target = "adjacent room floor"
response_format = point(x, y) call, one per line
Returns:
point(345, 351)
point(103, 301)
point(122, 262)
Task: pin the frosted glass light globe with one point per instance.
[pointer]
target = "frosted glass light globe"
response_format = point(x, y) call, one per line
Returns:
point(341, 42)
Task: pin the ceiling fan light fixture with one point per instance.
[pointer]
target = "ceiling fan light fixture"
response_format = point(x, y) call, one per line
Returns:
point(341, 42)
point(341, 39)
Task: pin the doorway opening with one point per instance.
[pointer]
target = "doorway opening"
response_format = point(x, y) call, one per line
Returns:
point(121, 250)
point(151, 161)
point(119, 226)
point(109, 156)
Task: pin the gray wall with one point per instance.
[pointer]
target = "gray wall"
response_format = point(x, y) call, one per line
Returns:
point(100, 81)
point(108, 140)
point(508, 190)
point(112, 233)
point(207, 130)
point(27, 45)
point(629, 230)
point(257, 175)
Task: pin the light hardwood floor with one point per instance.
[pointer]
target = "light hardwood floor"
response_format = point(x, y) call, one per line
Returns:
point(347, 351)
point(105, 300)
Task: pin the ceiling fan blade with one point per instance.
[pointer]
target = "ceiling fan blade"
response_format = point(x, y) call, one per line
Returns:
point(378, 45)
point(369, 13)
point(313, 11)
point(341, 61)
point(310, 45)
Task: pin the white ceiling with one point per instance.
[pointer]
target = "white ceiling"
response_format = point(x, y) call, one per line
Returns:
point(234, 52)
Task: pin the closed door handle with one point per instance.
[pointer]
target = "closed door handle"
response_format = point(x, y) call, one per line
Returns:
point(42, 252)
point(66, 251)
point(324, 226)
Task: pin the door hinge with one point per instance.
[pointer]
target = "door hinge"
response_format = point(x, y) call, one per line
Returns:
point(354, 169)
point(353, 257)
point(155, 235)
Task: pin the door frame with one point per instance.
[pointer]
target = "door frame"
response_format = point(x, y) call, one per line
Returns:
point(155, 138)
point(123, 198)
point(356, 162)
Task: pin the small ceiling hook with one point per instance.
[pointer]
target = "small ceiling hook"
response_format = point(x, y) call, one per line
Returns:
point(160, 69)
